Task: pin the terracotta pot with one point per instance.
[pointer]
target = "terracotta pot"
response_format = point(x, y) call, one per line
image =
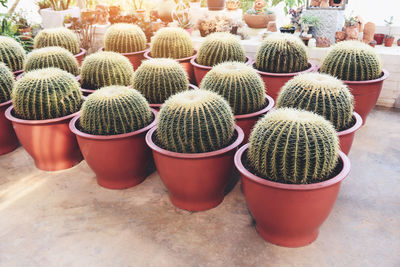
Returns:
point(216, 4)
point(8, 139)
point(49, 142)
point(398, 42)
point(158, 106)
point(335, 3)
point(185, 63)
point(114, 11)
point(80, 56)
point(247, 121)
point(258, 21)
point(389, 41)
point(288, 214)
point(135, 58)
point(195, 182)
point(119, 161)
point(274, 81)
point(379, 37)
point(346, 137)
point(200, 70)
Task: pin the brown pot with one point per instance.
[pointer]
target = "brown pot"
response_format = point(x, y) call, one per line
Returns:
point(8, 139)
point(135, 58)
point(389, 41)
point(335, 3)
point(80, 56)
point(114, 11)
point(216, 4)
point(258, 21)
point(352, 32)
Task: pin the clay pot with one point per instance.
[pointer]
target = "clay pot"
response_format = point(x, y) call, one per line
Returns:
point(352, 32)
point(369, 31)
point(80, 56)
point(119, 161)
point(289, 214)
point(135, 58)
point(398, 42)
point(49, 142)
point(379, 37)
point(201, 70)
point(258, 21)
point(346, 137)
point(114, 11)
point(324, 4)
point(335, 3)
point(216, 4)
point(158, 106)
point(389, 41)
point(8, 139)
point(195, 182)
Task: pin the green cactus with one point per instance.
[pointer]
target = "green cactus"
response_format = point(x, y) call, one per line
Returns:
point(321, 94)
point(171, 43)
point(352, 61)
point(52, 56)
point(195, 121)
point(124, 38)
point(57, 37)
point(104, 69)
point(6, 83)
point(158, 79)
point(293, 146)
point(220, 47)
point(115, 110)
point(282, 53)
point(239, 83)
point(12, 53)
point(46, 94)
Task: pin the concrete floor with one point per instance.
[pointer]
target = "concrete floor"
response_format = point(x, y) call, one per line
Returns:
point(66, 219)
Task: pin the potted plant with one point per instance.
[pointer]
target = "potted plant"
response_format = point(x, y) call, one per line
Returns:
point(389, 38)
point(193, 148)
point(44, 102)
point(379, 38)
point(215, 5)
point(308, 22)
point(257, 16)
point(295, 16)
point(232, 5)
point(291, 172)
point(206, 25)
point(53, 16)
point(113, 143)
point(366, 83)
point(288, 28)
point(244, 90)
point(12, 54)
point(352, 27)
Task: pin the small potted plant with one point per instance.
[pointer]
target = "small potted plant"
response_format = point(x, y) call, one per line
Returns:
point(288, 28)
point(389, 38)
point(232, 5)
point(308, 22)
point(352, 28)
point(12, 54)
point(257, 16)
point(53, 16)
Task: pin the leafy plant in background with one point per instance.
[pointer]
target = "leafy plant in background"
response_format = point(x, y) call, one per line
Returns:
point(10, 28)
point(295, 16)
point(42, 4)
point(288, 4)
point(3, 3)
point(389, 22)
point(59, 5)
point(310, 20)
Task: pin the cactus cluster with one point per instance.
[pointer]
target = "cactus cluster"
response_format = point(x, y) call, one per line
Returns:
point(352, 61)
point(282, 53)
point(52, 56)
point(195, 121)
point(57, 37)
point(220, 47)
point(172, 43)
point(46, 94)
point(6, 83)
point(12, 53)
point(158, 79)
point(321, 94)
point(293, 146)
point(124, 38)
point(115, 110)
point(238, 83)
point(104, 69)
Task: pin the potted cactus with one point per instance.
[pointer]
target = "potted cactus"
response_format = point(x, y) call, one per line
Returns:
point(360, 68)
point(193, 148)
point(103, 69)
point(60, 37)
point(327, 96)
point(279, 58)
point(12, 54)
point(217, 48)
point(244, 90)
point(291, 172)
point(127, 39)
point(113, 143)
point(175, 43)
point(44, 101)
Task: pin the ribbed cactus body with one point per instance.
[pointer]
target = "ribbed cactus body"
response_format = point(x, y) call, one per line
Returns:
point(238, 83)
point(124, 38)
point(220, 47)
point(282, 53)
point(195, 121)
point(352, 61)
point(321, 94)
point(115, 110)
point(293, 146)
point(104, 69)
point(6, 83)
point(52, 57)
point(158, 79)
point(57, 37)
point(46, 94)
point(12, 53)
point(171, 43)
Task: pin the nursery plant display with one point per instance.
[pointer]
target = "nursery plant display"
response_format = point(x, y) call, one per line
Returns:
point(258, 16)
point(360, 68)
point(111, 133)
point(291, 173)
point(193, 147)
point(12, 54)
point(44, 101)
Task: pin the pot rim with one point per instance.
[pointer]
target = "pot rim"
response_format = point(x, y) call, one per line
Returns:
point(6, 103)
point(154, 147)
point(298, 187)
point(311, 67)
point(82, 52)
point(102, 49)
point(75, 130)
point(385, 75)
point(269, 107)
point(355, 127)
point(147, 55)
point(249, 61)
point(18, 72)
point(11, 117)
point(191, 86)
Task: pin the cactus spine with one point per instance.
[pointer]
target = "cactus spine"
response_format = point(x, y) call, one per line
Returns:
point(11, 53)
point(6, 83)
point(195, 121)
point(238, 83)
point(282, 53)
point(57, 37)
point(46, 94)
point(171, 43)
point(124, 38)
point(293, 146)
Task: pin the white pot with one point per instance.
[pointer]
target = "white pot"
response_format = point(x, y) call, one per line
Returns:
point(54, 19)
